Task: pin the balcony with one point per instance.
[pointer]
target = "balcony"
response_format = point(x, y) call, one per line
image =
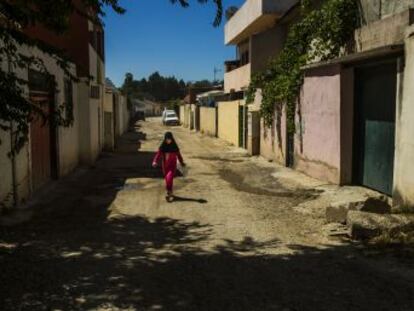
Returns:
point(253, 17)
point(236, 77)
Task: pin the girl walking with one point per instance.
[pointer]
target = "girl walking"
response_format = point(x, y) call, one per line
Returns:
point(169, 154)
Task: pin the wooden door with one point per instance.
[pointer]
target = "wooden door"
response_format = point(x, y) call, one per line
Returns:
point(40, 145)
point(43, 136)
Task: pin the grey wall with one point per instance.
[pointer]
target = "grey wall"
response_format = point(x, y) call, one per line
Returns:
point(373, 10)
point(266, 45)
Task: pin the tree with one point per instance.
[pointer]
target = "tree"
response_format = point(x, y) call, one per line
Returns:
point(157, 87)
point(16, 15)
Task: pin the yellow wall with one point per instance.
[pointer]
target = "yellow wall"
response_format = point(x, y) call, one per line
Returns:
point(182, 114)
point(208, 121)
point(228, 121)
point(185, 116)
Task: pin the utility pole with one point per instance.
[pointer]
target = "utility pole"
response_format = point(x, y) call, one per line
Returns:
point(216, 71)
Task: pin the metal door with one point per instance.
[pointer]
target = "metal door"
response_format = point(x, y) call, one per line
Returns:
point(290, 148)
point(242, 126)
point(197, 118)
point(375, 100)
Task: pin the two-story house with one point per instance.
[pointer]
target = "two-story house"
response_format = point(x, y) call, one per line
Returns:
point(257, 37)
point(53, 151)
point(83, 44)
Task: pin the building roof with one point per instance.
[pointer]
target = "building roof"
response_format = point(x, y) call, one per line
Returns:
point(110, 86)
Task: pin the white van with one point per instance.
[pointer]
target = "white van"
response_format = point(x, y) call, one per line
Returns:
point(169, 117)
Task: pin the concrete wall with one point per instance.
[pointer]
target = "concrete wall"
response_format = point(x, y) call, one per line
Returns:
point(123, 114)
point(237, 79)
point(384, 32)
point(404, 154)
point(109, 124)
point(186, 116)
point(272, 139)
point(22, 179)
point(317, 146)
point(108, 101)
point(228, 121)
point(373, 10)
point(182, 114)
point(254, 16)
point(67, 138)
point(91, 123)
point(266, 45)
point(208, 121)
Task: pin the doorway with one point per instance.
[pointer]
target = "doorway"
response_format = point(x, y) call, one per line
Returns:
point(43, 132)
point(374, 133)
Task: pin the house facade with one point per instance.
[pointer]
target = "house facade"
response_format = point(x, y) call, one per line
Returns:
point(354, 117)
point(52, 151)
point(353, 122)
point(257, 37)
point(83, 44)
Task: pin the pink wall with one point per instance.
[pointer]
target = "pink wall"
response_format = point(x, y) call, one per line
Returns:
point(317, 145)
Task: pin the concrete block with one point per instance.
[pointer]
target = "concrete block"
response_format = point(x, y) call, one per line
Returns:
point(365, 225)
point(338, 211)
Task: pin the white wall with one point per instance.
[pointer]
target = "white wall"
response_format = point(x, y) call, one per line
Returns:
point(68, 138)
point(404, 154)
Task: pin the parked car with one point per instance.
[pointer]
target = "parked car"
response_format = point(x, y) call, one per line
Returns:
point(169, 117)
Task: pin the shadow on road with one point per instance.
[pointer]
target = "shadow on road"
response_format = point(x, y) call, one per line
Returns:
point(70, 256)
point(183, 199)
point(140, 264)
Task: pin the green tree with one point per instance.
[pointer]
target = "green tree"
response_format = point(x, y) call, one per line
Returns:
point(157, 87)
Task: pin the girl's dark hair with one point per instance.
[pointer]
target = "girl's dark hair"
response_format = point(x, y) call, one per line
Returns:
point(169, 147)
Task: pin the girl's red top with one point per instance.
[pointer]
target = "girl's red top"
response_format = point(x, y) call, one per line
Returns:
point(169, 160)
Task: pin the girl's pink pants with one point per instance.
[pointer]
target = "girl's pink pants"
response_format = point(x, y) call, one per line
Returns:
point(169, 180)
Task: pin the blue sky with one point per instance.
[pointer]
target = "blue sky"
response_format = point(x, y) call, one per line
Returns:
point(155, 35)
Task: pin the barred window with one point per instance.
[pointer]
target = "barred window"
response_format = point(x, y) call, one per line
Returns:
point(95, 92)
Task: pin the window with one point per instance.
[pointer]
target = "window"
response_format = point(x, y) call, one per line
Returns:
point(244, 58)
point(40, 82)
point(95, 92)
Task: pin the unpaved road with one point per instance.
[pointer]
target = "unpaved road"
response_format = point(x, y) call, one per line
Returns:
point(237, 238)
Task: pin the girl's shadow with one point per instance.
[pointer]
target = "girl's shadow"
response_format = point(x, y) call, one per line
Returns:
point(182, 199)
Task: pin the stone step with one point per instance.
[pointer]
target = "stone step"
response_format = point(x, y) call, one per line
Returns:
point(337, 212)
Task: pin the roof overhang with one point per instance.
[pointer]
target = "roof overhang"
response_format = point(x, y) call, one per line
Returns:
point(390, 50)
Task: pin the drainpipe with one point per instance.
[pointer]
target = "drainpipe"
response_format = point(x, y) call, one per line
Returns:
point(12, 153)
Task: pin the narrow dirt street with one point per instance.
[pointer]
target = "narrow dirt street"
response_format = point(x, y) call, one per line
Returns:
point(238, 237)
